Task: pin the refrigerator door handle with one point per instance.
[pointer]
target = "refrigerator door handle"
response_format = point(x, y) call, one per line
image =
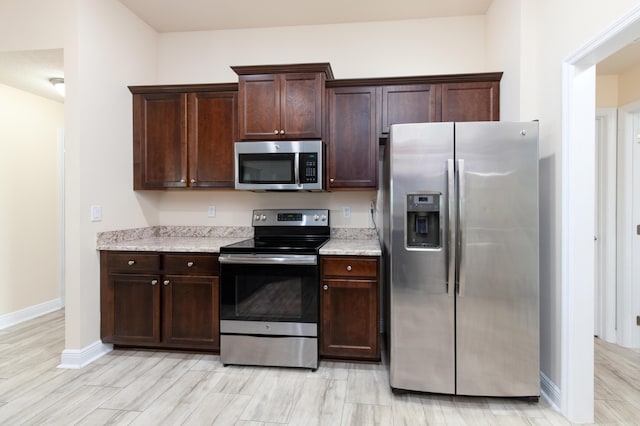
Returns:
point(461, 222)
point(451, 209)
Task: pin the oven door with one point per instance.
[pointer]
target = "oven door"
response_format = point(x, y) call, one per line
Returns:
point(278, 290)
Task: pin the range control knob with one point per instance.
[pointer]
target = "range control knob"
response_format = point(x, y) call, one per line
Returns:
point(256, 217)
point(324, 218)
point(316, 217)
point(263, 217)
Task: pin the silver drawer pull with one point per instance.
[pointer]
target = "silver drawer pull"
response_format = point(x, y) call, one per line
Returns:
point(325, 287)
point(189, 264)
point(154, 282)
point(166, 282)
point(348, 267)
point(131, 262)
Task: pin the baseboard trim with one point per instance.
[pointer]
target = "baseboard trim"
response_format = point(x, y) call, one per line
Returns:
point(14, 318)
point(550, 391)
point(78, 358)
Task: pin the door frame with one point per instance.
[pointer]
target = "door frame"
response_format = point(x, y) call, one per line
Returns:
point(578, 189)
point(628, 210)
point(605, 228)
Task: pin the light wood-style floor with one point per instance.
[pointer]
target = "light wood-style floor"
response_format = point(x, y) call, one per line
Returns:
point(152, 388)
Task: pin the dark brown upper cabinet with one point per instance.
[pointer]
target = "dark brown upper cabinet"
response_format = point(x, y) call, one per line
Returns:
point(352, 145)
point(281, 101)
point(360, 112)
point(183, 136)
point(472, 101)
point(411, 103)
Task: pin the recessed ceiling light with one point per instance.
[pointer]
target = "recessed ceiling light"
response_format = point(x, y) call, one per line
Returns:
point(58, 84)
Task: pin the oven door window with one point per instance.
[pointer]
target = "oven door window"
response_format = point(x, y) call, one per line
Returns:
point(266, 168)
point(283, 293)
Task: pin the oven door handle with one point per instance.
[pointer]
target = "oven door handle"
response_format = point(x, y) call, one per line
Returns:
point(268, 259)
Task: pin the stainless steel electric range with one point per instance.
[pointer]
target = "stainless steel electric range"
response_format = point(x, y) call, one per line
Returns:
point(269, 287)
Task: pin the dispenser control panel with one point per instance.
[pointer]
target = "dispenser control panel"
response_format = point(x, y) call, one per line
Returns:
point(422, 220)
point(423, 202)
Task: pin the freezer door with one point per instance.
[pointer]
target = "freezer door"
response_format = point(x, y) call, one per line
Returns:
point(421, 309)
point(497, 314)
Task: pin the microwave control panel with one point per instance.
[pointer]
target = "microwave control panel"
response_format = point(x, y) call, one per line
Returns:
point(308, 167)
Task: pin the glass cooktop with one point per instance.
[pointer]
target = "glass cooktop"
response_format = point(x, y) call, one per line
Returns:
point(297, 245)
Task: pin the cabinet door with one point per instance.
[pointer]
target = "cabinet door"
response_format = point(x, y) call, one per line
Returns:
point(160, 140)
point(259, 111)
point(349, 327)
point(408, 104)
point(301, 106)
point(353, 142)
point(213, 127)
point(190, 311)
point(471, 101)
point(133, 304)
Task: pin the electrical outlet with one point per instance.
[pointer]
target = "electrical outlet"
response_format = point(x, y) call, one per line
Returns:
point(346, 211)
point(96, 213)
point(211, 211)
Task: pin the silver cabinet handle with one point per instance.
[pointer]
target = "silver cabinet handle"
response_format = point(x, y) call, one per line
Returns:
point(349, 267)
point(182, 180)
point(275, 132)
point(189, 264)
point(166, 282)
point(193, 181)
point(331, 180)
point(451, 245)
point(154, 282)
point(325, 287)
point(461, 202)
point(131, 262)
point(282, 132)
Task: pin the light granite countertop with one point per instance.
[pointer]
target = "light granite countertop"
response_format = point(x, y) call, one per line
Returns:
point(201, 239)
point(351, 247)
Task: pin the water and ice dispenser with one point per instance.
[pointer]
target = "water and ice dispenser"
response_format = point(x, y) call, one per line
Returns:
point(422, 225)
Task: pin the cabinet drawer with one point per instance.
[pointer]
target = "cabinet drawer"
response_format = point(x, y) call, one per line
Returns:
point(350, 266)
point(133, 262)
point(191, 264)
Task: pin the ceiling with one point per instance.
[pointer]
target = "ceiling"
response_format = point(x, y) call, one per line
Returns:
point(201, 15)
point(31, 70)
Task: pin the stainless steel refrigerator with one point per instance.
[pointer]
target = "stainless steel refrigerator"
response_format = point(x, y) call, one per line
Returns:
point(461, 258)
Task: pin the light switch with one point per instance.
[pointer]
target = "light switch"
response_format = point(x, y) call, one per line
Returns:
point(96, 213)
point(211, 211)
point(346, 211)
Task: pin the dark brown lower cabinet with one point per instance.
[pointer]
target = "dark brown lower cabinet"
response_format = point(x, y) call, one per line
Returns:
point(159, 300)
point(136, 308)
point(349, 305)
point(190, 310)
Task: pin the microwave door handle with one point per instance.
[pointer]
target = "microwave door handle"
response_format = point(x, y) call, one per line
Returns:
point(296, 167)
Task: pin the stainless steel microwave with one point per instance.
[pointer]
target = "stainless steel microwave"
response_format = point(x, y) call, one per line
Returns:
point(279, 165)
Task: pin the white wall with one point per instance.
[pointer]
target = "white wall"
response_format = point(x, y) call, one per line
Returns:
point(32, 24)
point(504, 36)
point(376, 49)
point(29, 217)
point(31, 186)
point(607, 91)
point(106, 49)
